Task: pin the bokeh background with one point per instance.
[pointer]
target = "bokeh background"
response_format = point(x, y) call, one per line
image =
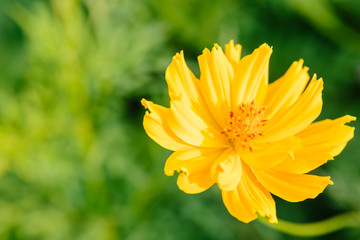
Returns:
point(75, 161)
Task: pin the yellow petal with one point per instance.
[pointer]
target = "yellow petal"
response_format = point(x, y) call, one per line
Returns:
point(238, 206)
point(291, 120)
point(285, 91)
point(191, 160)
point(267, 155)
point(226, 171)
point(233, 53)
point(181, 81)
point(251, 77)
point(249, 198)
point(192, 129)
point(194, 164)
point(194, 183)
point(215, 81)
point(292, 187)
point(318, 146)
point(184, 86)
point(318, 134)
point(155, 125)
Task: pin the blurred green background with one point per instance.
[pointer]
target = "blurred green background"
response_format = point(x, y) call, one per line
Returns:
point(75, 161)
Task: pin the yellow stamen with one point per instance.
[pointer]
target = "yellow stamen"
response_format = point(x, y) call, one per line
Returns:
point(244, 125)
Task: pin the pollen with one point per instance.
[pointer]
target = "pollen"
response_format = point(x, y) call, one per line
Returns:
point(244, 125)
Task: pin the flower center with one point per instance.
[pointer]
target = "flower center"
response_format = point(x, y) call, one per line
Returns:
point(244, 125)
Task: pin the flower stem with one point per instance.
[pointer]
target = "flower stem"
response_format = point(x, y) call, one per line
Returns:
point(320, 228)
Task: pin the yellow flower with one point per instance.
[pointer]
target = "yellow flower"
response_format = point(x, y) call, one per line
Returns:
point(252, 138)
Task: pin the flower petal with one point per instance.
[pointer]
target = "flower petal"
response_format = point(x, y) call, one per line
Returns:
point(215, 80)
point(318, 146)
point(194, 164)
point(251, 77)
point(285, 91)
point(155, 125)
point(248, 198)
point(194, 183)
point(292, 187)
point(233, 53)
point(191, 160)
point(268, 155)
point(226, 171)
point(291, 120)
point(238, 206)
point(184, 86)
point(192, 129)
point(181, 81)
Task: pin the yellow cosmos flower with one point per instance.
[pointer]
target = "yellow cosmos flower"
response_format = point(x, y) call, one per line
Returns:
point(251, 138)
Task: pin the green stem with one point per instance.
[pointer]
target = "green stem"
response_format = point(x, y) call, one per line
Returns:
point(320, 228)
